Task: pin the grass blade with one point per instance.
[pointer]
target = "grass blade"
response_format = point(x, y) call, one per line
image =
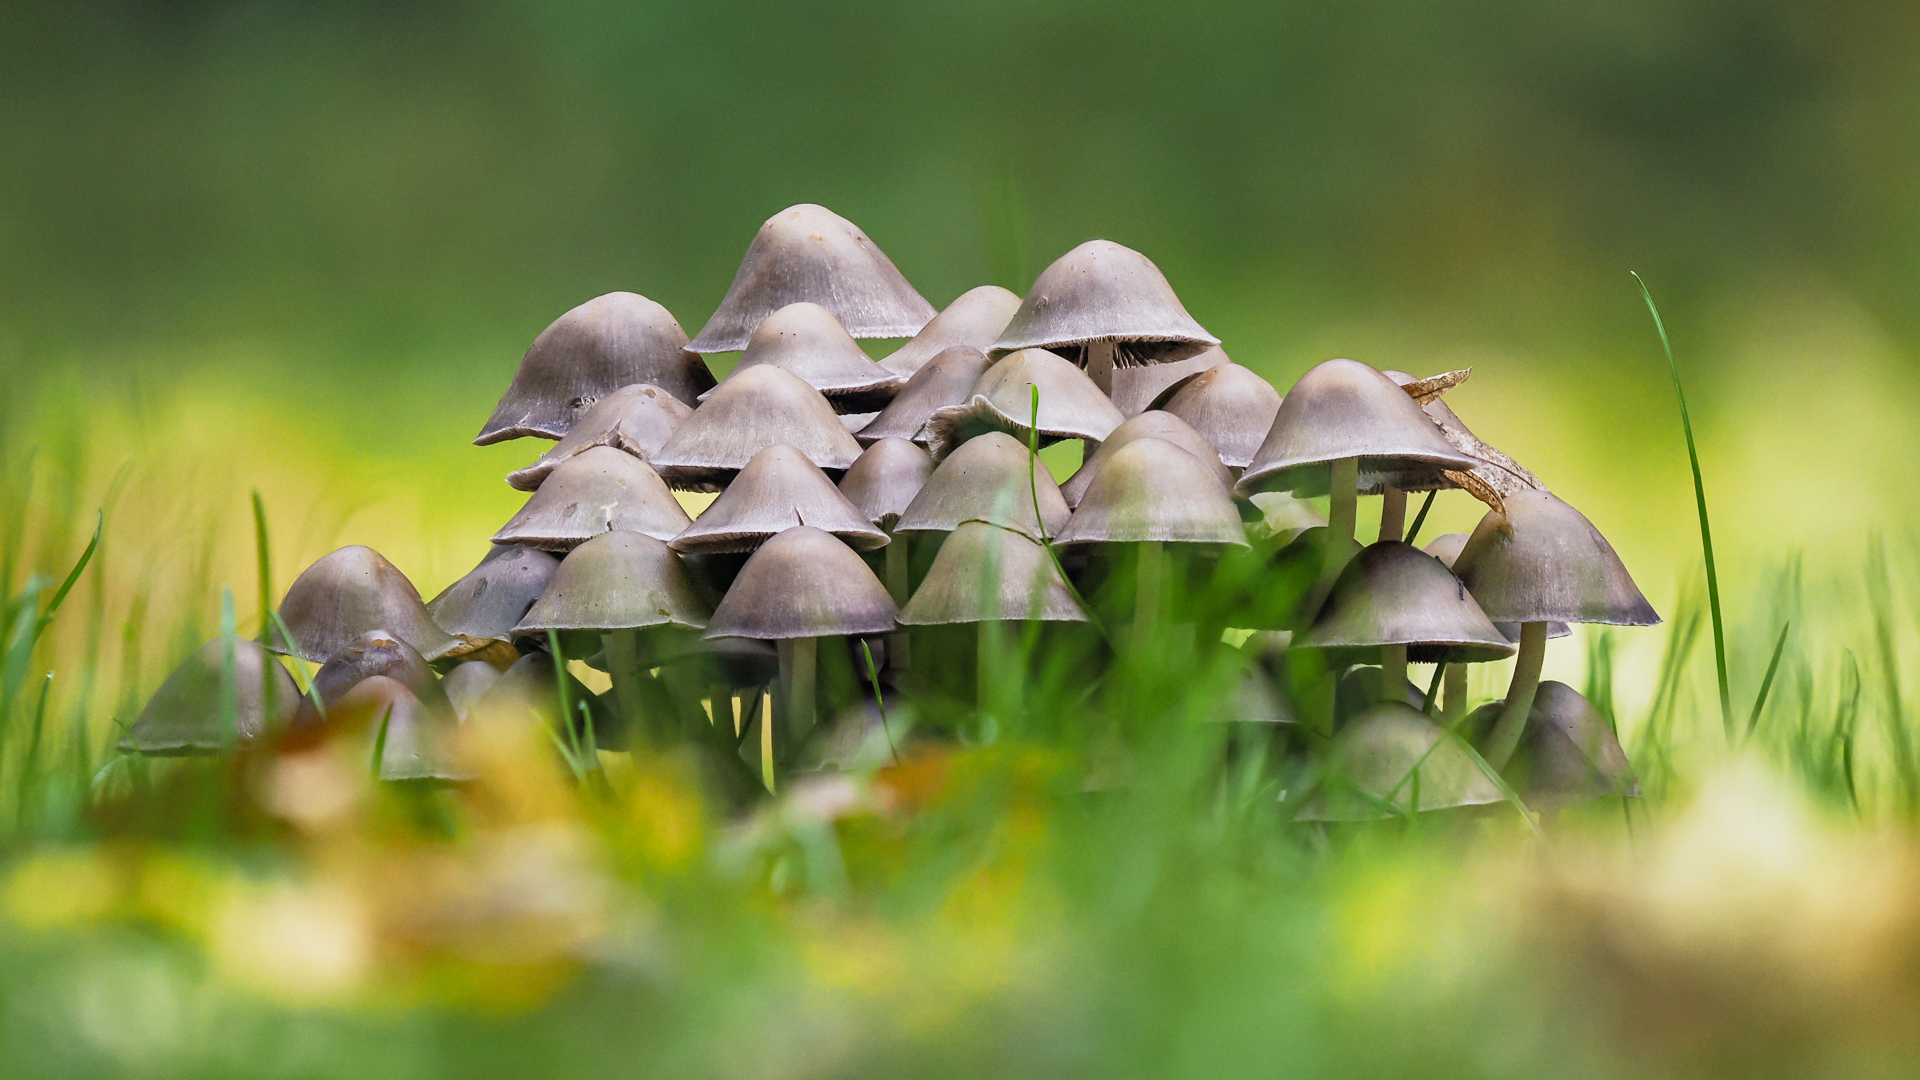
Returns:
point(263, 553)
point(1420, 518)
point(1766, 684)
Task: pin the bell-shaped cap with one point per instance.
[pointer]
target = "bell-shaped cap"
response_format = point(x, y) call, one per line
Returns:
point(1101, 291)
point(618, 581)
point(467, 683)
point(1071, 406)
point(1230, 407)
point(638, 419)
point(882, 483)
point(529, 692)
point(946, 380)
point(604, 344)
point(375, 653)
point(596, 491)
point(809, 253)
point(778, 490)
point(1393, 593)
point(419, 741)
point(185, 715)
point(347, 593)
point(1447, 548)
point(1375, 757)
point(1568, 753)
point(985, 573)
point(753, 410)
point(992, 478)
point(1152, 424)
point(974, 320)
point(485, 605)
point(1136, 387)
point(808, 341)
point(1543, 561)
point(1344, 409)
point(1151, 490)
point(803, 583)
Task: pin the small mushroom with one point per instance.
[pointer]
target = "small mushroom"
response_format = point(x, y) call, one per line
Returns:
point(1070, 407)
point(348, 593)
point(1150, 424)
point(987, 573)
point(806, 340)
point(638, 419)
point(1446, 547)
point(418, 740)
point(946, 380)
point(595, 491)
point(883, 482)
point(1138, 386)
point(1393, 759)
point(778, 490)
point(753, 410)
point(974, 320)
point(1569, 753)
point(375, 653)
point(1230, 406)
point(185, 716)
point(991, 478)
point(1151, 491)
point(481, 608)
point(467, 683)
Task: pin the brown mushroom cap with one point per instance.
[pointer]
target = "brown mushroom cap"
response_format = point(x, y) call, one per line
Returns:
point(974, 319)
point(638, 419)
point(1150, 424)
point(1151, 490)
point(1101, 291)
point(986, 573)
point(1230, 406)
point(807, 340)
point(347, 593)
point(945, 380)
point(810, 253)
point(1393, 593)
point(778, 490)
point(594, 491)
point(803, 583)
point(882, 483)
point(1137, 386)
point(1378, 750)
point(483, 606)
point(1071, 406)
point(604, 344)
point(1344, 409)
point(467, 683)
point(992, 478)
point(618, 581)
point(376, 653)
point(1568, 752)
point(1543, 561)
point(753, 410)
point(183, 716)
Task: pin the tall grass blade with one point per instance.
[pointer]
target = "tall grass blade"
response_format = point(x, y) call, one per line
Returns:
point(379, 746)
point(1420, 518)
point(1880, 590)
point(1766, 684)
point(263, 554)
point(880, 700)
point(31, 763)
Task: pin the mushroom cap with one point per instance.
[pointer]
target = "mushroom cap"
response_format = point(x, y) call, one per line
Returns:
point(729, 661)
point(347, 593)
point(1378, 751)
point(974, 319)
point(1151, 489)
point(638, 419)
point(1101, 291)
point(1137, 386)
point(618, 581)
point(1344, 409)
point(986, 573)
point(596, 490)
point(420, 737)
point(810, 253)
point(1150, 424)
point(467, 683)
point(947, 379)
point(1230, 406)
point(1393, 593)
point(1071, 406)
point(1446, 548)
point(608, 342)
point(484, 605)
point(1311, 555)
point(1568, 752)
point(1543, 561)
point(778, 490)
point(183, 716)
point(752, 410)
point(992, 478)
point(1498, 471)
point(529, 691)
point(803, 583)
point(375, 653)
point(882, 483)
point(1282, 515)
point(807, 340)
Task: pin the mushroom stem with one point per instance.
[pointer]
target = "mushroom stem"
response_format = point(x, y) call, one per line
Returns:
point(1526, 680)
point(1100, 365)
point(1343, 504)
point(1453, 691)
point(1151, 571)
point(1393, 673)
point(898, 651)
point(986, 659)
point(1393, 513)
point(623, 666)
point(805, 654)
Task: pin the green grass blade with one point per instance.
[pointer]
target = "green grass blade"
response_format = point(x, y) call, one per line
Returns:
point(380, 746)
point(1766, 684)
point(263, 554)
point(879, 699)
point(1420, 518)
point(73, 575)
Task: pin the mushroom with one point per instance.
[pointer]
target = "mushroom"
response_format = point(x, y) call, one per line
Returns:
point(604, 344)
point(1494, 474)
point(596, 490)
point(945, 380)
point(467, 683)
point(974, 320)
point(481, 608)
point(991, 478)
point(1136, 387)
point(186, 715)
point(753, 410)
point(414, 740)
point(1230, 406)
point(1446, 547)
point(1392, 757)
point(1070, 406)
point(1543, 561)
point(1150, 424)
point(1569, 753)
point(638, 419)
point(881, 485)
point(530, 691)
point(374, 653)
point(347, 593)
point(778, 490)
point(806, 340)
point(810, 253)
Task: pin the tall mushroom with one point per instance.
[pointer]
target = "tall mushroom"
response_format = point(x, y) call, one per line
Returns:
point(974, 320)
point(808, 341)
point(1150, 424)
point(991, 478)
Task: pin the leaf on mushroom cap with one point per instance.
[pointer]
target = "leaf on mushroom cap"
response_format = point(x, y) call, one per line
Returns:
point(810, 253)
point(618, 581)
point(1230, 406)
point(1151, 490)
point(947, 379)
point(752, 410)
point(483, 606)
point(882, 483)
point(1150, 424)
point(1568, 753)
point(987, 573)
point(992, 478)
point(1137, 386)
point(1500, 473)
point(1101, 291)
point(604, 344)
point(808, 341)
point(803, 583)
point(778, 490)
point(184, 715)
point(590, 493)
point(638, 419)
point(1543, 561)
point(347, 593)
point(974, 319)
point(1375, 755)
point(1393, 593)
point(1071, 406)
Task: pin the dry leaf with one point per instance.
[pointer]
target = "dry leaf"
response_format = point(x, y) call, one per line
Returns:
point(1430, 388)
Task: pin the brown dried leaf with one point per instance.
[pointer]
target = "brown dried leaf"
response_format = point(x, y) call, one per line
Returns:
point(1479, 489)
point(1430, 388)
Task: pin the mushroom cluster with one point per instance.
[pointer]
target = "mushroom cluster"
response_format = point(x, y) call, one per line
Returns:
point(884, 531)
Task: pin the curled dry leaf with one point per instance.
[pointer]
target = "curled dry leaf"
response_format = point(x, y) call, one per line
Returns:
point(1429, 389)
point(1473, 485)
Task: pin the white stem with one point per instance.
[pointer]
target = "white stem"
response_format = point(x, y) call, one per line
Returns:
point(1100, 365)
point(1343, 505)
point(1393, 513)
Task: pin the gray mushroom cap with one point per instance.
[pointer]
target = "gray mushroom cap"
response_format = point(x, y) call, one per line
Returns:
point(883, 482)
point(803, 583)
point(1230, 406)
point(638, 419)
point(347, 593)
point(945, 380)
point(1447, 547)
point(1393, 593)
point(1071, 406)
point(753, 410)
point(184, 715)
point(1494, 468)
point(1377, 752)
point(778, 490)
point(419, 742)
point(991, 478)
point(618, 581)
point(809, 253)
point(467, 683)
point(604, 344)
point(808, 341)
point(1344, 409)
point(1151, 424)
point(1568, 753)
point(1137, 386)
point(1151, 490)
point(974, 319)
point(376, 653)
point(1543, 561)
point(596, 490)
point(1101, 291)
point(986, 573)
point(485, 605)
